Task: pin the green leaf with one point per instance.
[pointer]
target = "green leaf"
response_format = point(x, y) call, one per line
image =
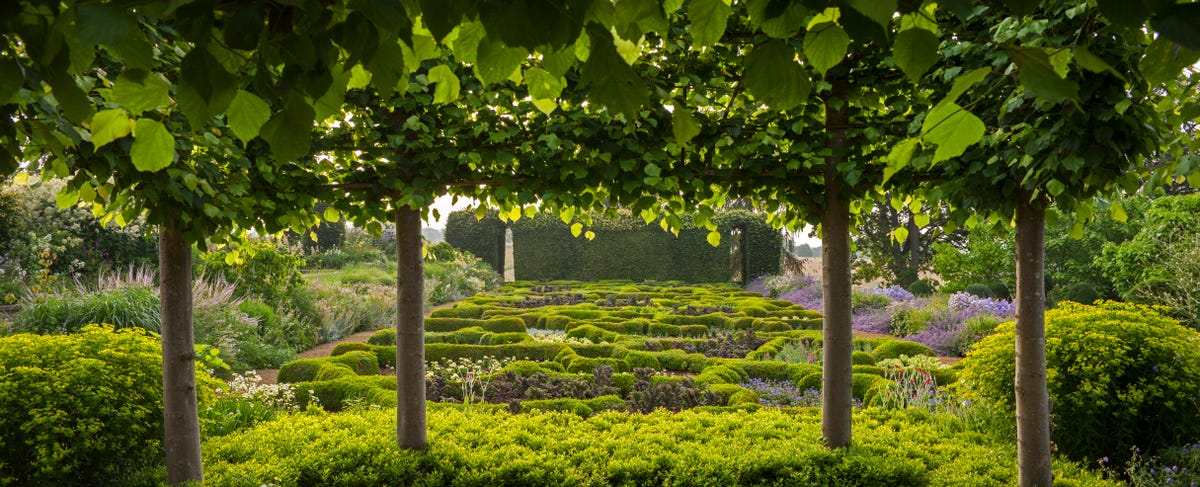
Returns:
point(1128, 13)
point(153, 146)
point(66, 198)
point(87, 193)
point(290, 131)
point(205, 88)
point(497, 62)
point(1091, 62)
point(109, 125)
point(101, 24)
point(652, 170)
point(447, 88)
point(1179, 23)
point(331, 215)
point(440, 16)
point(11, 79)
point(1055, 187)
point(590, 235)
point(135, 50)
point(952, 128)
point(766, 15)
point(1164, 60)
point(1038, 75)
point(825, 46)
point(899, 157)
point(636, 17)
point(774, 77)
point(1118, 213)
point(964, 82)
point(684, 125)
point(880, 11)
point(915, 51)
point(388, 67)
point(576, 229)
point(610, 81)
point(1076, 231)
point(72, 101)
point(190, 181)
point(139, 91)
point(900, 234)
point(246, 115)
point(708, 18)
point(920, 219)
point(542, 84)
point(714, 239)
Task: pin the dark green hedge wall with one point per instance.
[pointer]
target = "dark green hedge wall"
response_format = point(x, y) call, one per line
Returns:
point(483, 238)
point(627, 248)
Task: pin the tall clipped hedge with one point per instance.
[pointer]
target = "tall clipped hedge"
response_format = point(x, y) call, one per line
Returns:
point(626, 247)
point(483, 238)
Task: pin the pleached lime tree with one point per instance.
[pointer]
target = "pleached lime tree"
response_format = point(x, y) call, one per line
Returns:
point(1071, 111)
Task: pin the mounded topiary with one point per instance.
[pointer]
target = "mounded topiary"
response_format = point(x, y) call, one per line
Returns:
point(896, 348)
point(1120, 375)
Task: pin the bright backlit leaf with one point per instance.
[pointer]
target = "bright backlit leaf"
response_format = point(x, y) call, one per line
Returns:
point(952, 129)
point(138, 91)
point(153, 146)
point(447, 87)
point(825, 46)
point(109, 125)
point(246, 115)
point(708, 19)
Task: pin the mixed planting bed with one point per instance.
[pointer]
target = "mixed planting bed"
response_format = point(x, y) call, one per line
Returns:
point(586, 348)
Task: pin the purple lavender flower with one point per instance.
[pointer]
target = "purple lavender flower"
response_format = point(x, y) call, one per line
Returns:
point(896, 293)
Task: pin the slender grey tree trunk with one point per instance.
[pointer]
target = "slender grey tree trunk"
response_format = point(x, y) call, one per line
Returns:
point(1032, 398)
point(836, 374)
point(410, 331)
point(181, 421)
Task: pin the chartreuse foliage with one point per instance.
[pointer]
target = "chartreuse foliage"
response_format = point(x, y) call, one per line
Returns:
point(1120, 376)
point(491, 447)
point(81, 409)
point(615, 325)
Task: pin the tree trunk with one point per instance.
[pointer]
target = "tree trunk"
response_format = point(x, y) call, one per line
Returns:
point(914, 246)
point(410, 331)
point(1032, 398)
point(181, 422)
point(836, 373)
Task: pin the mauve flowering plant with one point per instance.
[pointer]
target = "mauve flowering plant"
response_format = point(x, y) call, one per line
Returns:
point(976, 306)
point(896, 293)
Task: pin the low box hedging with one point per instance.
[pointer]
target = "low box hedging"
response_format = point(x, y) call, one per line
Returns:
point(333, 395)
point(896, 348)
point(863, 358)
point(583, 408)
point(553, 322)
point(733, 394)
point(516, 351)
point(360, 362)
point(345, 347)
point(719, 446)
point(680, 361)
point(593, 333)
point(460, 310)
point(386, 336)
